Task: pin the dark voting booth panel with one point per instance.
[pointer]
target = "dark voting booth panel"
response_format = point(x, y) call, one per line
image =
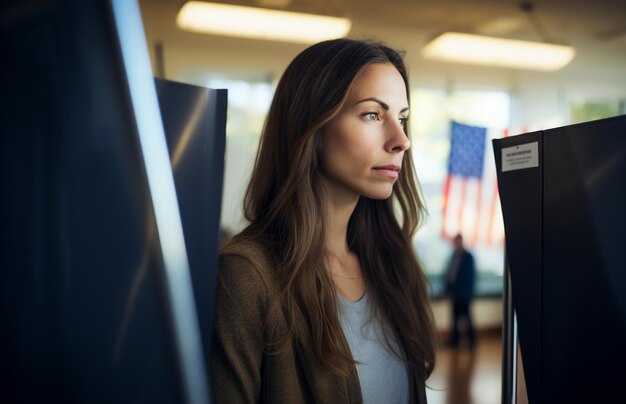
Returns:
point(194, 119)
point(86, 300)
point(563, 195)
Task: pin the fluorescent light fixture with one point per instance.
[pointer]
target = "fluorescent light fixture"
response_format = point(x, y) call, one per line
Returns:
point(259, 23)
point(491, 51)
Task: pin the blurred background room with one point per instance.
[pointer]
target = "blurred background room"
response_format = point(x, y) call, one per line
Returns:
point(494, 97)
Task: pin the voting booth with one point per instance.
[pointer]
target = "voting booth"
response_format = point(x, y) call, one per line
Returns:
point(111, 193)
point(563, 196)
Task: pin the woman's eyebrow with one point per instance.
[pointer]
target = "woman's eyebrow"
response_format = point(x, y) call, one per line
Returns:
point(382, 103)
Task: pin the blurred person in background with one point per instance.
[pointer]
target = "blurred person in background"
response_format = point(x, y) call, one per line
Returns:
point(459, 277)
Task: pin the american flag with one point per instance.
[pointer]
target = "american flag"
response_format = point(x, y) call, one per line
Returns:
point(471, 204)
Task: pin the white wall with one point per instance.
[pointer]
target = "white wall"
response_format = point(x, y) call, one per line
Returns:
point(238, 165)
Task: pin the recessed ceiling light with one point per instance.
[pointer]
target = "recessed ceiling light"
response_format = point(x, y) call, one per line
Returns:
point(260, 23)
point(492, 51)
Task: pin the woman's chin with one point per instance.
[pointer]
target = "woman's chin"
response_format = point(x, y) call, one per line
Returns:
point(379, 194)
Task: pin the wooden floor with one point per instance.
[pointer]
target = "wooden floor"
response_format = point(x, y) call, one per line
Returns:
point(464, 376)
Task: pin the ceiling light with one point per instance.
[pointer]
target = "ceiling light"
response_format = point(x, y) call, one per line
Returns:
point(259, 23)
point(491, 51)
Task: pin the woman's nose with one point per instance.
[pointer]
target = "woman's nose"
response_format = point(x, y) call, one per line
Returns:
point(397, 138)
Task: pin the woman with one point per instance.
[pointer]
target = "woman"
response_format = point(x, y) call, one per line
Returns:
point(321, 298)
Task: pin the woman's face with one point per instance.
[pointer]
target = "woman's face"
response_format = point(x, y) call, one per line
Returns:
point(364, 144)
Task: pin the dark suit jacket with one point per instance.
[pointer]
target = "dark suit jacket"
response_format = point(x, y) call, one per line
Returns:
point(461, 287)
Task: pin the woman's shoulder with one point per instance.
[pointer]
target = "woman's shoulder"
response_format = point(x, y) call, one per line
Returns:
point(245, 264)
point(249, 250)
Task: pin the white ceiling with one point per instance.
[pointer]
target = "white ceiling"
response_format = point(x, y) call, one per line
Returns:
point(573, 21)
point(596, 28)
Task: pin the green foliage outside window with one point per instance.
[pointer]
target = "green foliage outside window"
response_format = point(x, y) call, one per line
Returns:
point(590, 111)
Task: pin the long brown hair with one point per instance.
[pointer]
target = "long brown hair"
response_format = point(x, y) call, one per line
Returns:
point(284, 204)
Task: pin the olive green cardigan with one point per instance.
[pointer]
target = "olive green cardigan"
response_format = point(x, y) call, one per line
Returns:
point(241, 370)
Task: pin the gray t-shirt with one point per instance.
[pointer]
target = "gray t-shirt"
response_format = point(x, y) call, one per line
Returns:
point(382, 375)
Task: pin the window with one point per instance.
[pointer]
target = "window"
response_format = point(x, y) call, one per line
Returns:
point(582, 111)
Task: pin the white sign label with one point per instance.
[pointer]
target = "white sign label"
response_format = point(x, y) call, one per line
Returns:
point(520, 157)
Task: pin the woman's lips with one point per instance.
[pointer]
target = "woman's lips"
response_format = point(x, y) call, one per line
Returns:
point(390, 171)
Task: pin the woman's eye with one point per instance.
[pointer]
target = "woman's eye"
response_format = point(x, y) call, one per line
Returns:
point(403, 120)
point(371, 116)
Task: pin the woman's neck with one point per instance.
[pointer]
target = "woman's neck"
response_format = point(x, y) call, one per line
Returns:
point(338, 212)
point(341, 262)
